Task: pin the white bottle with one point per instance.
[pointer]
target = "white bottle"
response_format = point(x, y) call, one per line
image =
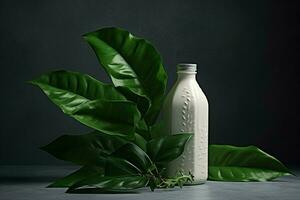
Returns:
point(186, 110)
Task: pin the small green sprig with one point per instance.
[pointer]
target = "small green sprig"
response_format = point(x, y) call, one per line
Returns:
point(178, 180)
point(156, 180)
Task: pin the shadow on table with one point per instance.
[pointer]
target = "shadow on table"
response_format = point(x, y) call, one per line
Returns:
point(27, 179)
point(99, 191)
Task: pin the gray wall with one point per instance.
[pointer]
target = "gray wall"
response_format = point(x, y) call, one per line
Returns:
point(244, 50)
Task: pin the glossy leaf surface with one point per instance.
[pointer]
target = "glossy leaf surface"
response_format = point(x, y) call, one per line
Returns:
point(111, 117)
point(140, 141)
point(134, 66)
point(69, 89)
point(107, 183)
point(95, 104)
point(87, 149)
point(82, 173)
point(167, 148)
point(135, 155)
point(230, 163)
point(115, 166)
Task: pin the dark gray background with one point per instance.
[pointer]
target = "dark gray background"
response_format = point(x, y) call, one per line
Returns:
point(247, 54)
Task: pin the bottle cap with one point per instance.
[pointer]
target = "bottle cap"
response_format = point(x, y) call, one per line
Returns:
point(187, 67)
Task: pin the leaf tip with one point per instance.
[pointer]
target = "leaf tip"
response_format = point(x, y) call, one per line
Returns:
point(84, 36)
point(52, 185)
point(31, 82)
point(43, 148)
point(290, 173)
point(70, 190)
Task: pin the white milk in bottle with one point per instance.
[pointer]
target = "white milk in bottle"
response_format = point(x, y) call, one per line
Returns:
point(186, 110)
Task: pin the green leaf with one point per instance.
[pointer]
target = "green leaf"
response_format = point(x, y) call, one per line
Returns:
point(111, 117)
point(69, 89)
point(140, 141)
point(87, 149)
point(134, 155)
point(230, 163)
point(95, 104)
point(134, 66)
point(82, 173)
point(107, 183)
point(142, 129)
point(167, 148)
point(158, 130)
point(115, 166)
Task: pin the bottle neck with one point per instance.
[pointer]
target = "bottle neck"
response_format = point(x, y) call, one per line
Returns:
point(186, 75)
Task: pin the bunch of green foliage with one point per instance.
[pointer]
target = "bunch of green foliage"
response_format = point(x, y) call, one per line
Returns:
point(126, 150)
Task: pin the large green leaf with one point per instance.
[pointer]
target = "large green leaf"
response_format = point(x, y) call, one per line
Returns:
point(117, 117)
point(140, 141)
point(115, 166)
point(69, 89)
point(87, 149)
point(107, 183)
point(134, 65)
point(167, 148)
point(82, 173)
point(230, 163)
point(95, 104)
point(136, 156)
point(158, 130)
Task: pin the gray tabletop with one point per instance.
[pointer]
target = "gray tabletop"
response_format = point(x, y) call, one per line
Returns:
point(29, 182)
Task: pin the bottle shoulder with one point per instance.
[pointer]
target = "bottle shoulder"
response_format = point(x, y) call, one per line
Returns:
point(185, 86)
point(186, 89)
